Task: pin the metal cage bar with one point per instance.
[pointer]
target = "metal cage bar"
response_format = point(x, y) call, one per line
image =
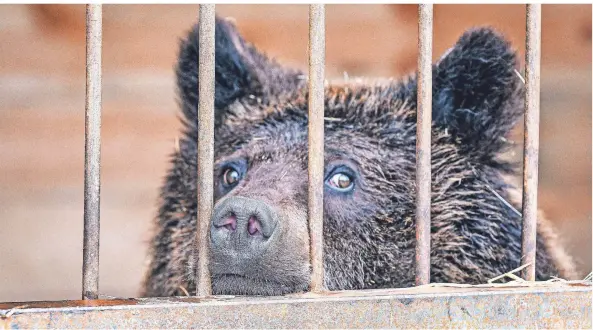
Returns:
point(205, 144)
point(92, 153)
point(423, 150)
point(531, 139)
point(316, 134)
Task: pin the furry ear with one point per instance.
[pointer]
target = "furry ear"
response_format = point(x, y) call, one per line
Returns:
point(240, 71)
point(477, 91)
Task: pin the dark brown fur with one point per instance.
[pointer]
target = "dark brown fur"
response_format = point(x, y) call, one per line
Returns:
point(261, 125)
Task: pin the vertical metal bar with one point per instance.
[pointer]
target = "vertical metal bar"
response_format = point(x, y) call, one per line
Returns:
point(424, 124)
point(92, 153)
point(316, 148)
point(205, 144)
point(531, 143)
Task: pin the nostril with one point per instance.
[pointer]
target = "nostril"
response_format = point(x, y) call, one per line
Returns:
point(229, 223)
point(253, 226)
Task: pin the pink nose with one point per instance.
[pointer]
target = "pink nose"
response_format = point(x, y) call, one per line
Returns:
point(242, 224)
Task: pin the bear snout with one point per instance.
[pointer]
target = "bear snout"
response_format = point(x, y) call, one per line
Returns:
point(241, 231)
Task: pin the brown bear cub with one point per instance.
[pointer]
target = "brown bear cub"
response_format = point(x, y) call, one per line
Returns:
point(259, 239)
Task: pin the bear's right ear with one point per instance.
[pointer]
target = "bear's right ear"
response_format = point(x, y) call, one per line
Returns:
point(240, 71)
point(477, 91)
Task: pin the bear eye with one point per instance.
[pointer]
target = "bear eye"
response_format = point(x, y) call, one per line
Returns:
point(230, 177)
point(341, 182)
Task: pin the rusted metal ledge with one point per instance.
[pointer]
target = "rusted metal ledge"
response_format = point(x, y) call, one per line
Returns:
point(423, 151)
point(92, 153)
point(205, 144)
point(531, 142)
point(316, 160)
point(433, 307)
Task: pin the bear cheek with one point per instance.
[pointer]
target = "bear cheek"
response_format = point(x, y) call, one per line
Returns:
point(345, 210)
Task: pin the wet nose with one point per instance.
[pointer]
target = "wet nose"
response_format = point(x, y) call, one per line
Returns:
point(242, 224)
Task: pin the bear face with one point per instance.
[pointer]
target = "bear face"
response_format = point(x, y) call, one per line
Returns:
point(259, 239)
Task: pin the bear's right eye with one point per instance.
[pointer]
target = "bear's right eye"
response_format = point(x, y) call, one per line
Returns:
point(230, 177)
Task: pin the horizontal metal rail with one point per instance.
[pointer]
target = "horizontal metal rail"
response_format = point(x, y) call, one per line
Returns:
point(555, 306)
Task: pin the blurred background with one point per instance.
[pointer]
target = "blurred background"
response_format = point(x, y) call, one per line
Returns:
point(42, 90)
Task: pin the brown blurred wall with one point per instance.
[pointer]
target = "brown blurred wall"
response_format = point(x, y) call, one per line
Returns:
point(42, 119)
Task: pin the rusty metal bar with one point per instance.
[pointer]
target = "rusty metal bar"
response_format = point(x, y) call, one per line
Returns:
point(419, 308)
point(92, 153)
point(205, 144)
point(423, 126)
point(316, 149)
point(531, 142)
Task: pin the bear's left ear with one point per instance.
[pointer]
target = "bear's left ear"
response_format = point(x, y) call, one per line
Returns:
point(477, 91)
point(241, 71)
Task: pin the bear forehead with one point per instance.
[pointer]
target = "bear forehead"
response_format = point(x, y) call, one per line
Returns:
point(349, 109)
point(358, 119)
